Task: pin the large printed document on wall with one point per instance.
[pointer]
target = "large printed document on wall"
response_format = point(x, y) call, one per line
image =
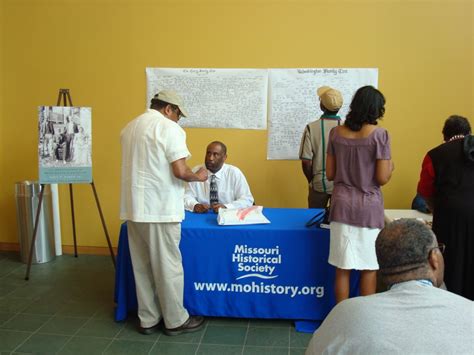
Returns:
point(215, 98)
point(294, 102)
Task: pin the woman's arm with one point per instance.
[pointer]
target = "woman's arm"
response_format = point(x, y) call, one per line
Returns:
point(383, 171)
point(330, 167)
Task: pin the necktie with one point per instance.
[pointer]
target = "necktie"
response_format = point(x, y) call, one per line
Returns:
point(213, 196)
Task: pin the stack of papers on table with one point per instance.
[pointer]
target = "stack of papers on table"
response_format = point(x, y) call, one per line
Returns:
point(235, 216)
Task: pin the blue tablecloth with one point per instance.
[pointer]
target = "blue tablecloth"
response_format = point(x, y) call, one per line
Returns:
point(276, 270)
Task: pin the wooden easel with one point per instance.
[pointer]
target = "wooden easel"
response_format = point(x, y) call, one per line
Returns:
point(66, 98)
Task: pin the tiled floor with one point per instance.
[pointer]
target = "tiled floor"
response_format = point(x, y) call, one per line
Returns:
point(67, 307)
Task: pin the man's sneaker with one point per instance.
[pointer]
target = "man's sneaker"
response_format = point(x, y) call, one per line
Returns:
point(193, 324)
point(150, 330)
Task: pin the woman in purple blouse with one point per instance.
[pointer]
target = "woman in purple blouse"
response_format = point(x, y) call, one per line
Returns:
point(359, 162)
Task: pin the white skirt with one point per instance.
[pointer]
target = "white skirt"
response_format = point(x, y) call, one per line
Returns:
point(353, 248)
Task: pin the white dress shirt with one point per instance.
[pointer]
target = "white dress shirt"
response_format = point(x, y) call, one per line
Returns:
point(232, 189)
point(150, 191)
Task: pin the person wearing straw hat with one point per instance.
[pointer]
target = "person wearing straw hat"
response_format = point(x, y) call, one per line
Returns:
point(313, 147)
point(154, 169)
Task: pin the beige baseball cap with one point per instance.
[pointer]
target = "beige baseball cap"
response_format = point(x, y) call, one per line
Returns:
point(330, 98)
point(172, 98)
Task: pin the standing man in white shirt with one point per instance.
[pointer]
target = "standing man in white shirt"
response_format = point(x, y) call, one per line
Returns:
point(231, 188)
point(154, 154)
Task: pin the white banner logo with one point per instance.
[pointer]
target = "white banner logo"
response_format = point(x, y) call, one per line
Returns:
point(256, 262)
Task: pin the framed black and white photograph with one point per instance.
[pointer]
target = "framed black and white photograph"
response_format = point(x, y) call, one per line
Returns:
point(64, 144)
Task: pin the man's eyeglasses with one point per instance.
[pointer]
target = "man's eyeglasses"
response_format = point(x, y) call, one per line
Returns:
point(177, 110)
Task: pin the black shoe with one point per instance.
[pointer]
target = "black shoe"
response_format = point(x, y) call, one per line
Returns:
point(150, 330)
point(193, 324)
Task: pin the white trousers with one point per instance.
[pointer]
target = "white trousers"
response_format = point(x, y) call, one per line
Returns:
point(158, 271)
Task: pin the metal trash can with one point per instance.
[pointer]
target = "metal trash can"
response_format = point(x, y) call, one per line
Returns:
point(27, 199)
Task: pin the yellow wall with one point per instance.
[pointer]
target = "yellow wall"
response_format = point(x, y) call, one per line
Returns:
point(100, 49)
point(1, 98)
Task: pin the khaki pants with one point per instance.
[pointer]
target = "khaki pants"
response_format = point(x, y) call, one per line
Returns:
point(317, 199)
point(158, 271)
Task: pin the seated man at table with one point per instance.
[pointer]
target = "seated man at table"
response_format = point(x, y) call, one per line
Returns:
point(225, 188)
point(414, 316)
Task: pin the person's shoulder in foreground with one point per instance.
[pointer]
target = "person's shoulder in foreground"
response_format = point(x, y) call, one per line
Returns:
point(414, 316)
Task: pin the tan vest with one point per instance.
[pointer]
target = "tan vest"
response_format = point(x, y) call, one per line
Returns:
point(313, 147)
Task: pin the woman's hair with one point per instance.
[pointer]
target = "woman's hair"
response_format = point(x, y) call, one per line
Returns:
point(367, 106)
point(455, 125)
